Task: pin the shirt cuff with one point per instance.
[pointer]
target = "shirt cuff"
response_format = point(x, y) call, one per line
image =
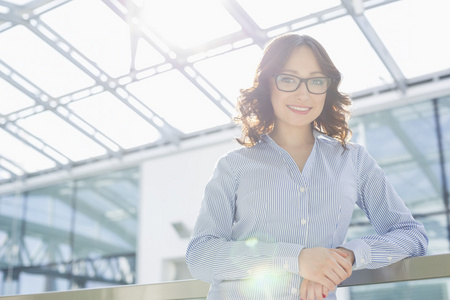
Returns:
point(285, 258)
point(362, 253)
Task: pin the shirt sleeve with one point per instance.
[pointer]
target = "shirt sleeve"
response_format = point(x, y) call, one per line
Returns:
point(213, 256)
point(398, 234)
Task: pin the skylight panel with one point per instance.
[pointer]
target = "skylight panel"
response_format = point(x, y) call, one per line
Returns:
point(22, 155)
point(95, 30)
point(41, 64)
point(271, 13)
point(147, 56)
point(414, 33)
point(179, 102)
point(117, 121)
point(231, 71)
point(61, 136)
point(19, 2)
point(351, 53)
point(4, 175)
point(12, 99)
point(189, 23)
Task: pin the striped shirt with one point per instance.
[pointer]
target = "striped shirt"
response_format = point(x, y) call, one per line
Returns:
point(259, 211)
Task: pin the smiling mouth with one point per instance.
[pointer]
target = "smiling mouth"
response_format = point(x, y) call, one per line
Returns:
point(297, 108)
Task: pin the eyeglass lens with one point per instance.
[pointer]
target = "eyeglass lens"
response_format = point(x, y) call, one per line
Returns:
point(289, 83)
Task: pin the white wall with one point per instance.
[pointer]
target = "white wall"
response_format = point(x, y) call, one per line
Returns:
point(172, 188)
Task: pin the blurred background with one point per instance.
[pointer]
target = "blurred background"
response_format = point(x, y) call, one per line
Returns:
point(114, 112)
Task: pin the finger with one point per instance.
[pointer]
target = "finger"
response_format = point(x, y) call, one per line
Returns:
point(318, 291)
point(304, 289)
point(335, 277)
point(341, 273)
point(326, 282)
point(325, 292)
point(311, 291)
point(340, 252)
point(345, 264)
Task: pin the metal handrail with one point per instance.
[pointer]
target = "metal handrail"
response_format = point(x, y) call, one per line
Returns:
point(413, 268)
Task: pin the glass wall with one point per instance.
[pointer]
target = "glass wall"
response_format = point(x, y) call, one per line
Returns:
point(76, 234)
point(412, 145)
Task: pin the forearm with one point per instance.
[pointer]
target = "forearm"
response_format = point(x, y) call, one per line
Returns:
point(214, 260)
point(376, 251)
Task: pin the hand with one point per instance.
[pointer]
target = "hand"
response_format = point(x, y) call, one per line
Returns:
point(327, 267)
point(312, 291)
point(350, 255)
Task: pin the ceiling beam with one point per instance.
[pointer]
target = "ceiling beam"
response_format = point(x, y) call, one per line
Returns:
point(378, 45)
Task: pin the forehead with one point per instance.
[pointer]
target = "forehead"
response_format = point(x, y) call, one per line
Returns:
point(302, 60)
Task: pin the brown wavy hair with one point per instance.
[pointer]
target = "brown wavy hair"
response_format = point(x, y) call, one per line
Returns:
point(255, 112)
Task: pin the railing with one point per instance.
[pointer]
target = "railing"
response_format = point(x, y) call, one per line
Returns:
point(414, 268)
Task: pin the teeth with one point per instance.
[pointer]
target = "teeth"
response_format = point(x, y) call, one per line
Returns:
point(299, 108)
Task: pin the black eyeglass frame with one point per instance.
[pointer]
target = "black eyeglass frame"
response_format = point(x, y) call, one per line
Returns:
point(305, 80)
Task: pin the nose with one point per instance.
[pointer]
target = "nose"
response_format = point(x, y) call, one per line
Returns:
point(302, 89)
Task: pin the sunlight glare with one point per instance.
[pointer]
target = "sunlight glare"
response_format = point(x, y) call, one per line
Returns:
point(188, 23)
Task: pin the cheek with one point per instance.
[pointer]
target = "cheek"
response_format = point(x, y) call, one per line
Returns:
point(320, 100)
point(274, 97)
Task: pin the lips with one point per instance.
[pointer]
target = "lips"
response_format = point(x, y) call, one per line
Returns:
point(299, 109)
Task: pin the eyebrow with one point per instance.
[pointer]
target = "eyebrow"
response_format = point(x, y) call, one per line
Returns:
point(312, 73)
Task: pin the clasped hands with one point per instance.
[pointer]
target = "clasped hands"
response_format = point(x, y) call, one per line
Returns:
point(322, 270)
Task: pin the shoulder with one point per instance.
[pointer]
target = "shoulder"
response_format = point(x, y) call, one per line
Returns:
point(332, 149)
point(242, 153)
point(328, 143)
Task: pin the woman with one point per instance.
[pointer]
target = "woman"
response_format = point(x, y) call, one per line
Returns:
point(275, 213)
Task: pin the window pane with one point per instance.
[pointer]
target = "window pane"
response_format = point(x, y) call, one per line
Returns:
point(108, 45)
point(119, 122)
point(404, 143)
point(174, 97)
point(106, 215)
point(437, 230)
point(444, 118)
point(231, 71)
point(359, 64)
point(54, 131)
point(408, 290)
point(12, 99)
point(189, 23)
point(11, 212)
point(270, 13)
point(48, 223)
point(50, 72)
point(409, 29)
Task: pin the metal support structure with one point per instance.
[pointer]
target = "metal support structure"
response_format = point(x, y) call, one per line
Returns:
point(179, 61)
point(182, 60)
point(114, 269)
point(249, 26)
point(37, 95)
point(8, 169)
point(378, 45)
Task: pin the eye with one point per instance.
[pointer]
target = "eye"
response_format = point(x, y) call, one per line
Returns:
point(317, 81)
point(286, 79)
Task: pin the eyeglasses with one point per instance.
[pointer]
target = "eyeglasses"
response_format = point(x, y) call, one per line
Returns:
point(291, 83)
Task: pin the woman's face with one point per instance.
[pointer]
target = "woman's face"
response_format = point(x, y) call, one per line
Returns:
point(299, 108)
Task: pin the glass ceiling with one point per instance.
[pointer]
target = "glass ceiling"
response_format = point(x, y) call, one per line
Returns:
point(86, 80)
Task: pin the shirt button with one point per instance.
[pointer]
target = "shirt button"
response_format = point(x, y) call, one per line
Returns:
point(286, 266)
point(303, 221)
point(293, 290)
point(363, 260)
point(302, 189)
point(389, 258)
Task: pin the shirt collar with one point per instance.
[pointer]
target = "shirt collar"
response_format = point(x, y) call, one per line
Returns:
point(317, 135)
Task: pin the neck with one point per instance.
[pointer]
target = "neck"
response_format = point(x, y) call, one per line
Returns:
point(292, 137)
